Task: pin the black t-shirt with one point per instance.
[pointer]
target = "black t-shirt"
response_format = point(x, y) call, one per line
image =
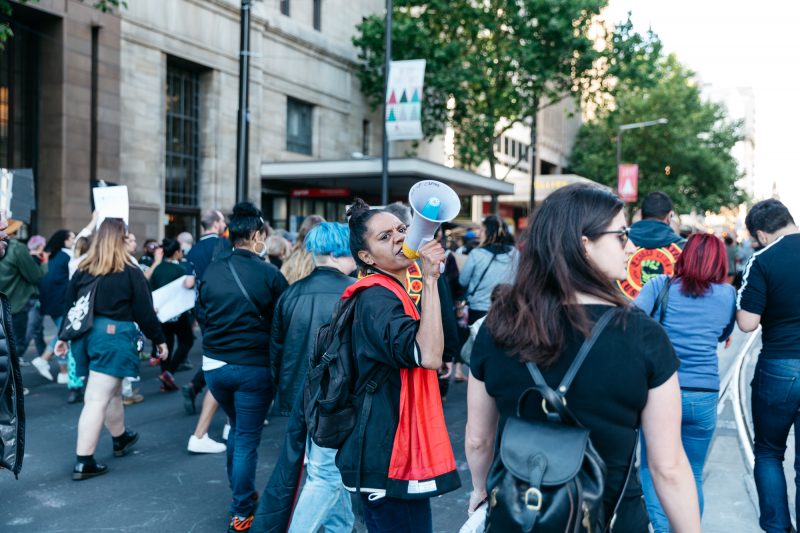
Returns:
point(770, 288)
point(631, 356)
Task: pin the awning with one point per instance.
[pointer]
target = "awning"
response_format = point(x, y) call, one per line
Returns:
point(363, 176)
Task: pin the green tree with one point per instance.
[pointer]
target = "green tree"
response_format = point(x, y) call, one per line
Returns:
point(7, 9)
point(499, 61)
point(689, 158)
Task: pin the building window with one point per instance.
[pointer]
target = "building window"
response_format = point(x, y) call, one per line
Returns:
point(298, 126)
point(181, 188)
point(285, 7)
point(366, 133)
point(19, 90)
point(318, 15)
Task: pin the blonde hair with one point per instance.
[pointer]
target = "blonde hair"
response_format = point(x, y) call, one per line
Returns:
point(108, 251)
point(298, 265)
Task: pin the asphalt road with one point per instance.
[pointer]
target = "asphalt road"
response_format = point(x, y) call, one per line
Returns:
point(160, 487)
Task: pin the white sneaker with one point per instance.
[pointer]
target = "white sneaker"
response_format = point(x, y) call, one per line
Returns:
point(205, 445)
point(62, 378)
point(226, 429)
point(43, 367)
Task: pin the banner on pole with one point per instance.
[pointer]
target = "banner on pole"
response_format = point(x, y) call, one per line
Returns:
point(628, 182)
point(404, 100)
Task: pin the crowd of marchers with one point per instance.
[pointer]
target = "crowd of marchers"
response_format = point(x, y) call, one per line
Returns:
point(584, 342)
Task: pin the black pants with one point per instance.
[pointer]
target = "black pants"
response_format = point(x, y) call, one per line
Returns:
point(475, 315)
point(182, 330)
point(393, 515)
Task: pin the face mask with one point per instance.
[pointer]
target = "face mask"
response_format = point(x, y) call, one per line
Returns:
point(185, 249)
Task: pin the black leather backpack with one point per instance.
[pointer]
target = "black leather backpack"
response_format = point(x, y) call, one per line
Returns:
point(547, 476)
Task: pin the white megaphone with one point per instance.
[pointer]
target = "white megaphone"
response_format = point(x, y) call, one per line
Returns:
point(433, 202)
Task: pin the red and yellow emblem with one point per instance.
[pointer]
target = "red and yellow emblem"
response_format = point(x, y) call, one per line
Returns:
point(647, 263)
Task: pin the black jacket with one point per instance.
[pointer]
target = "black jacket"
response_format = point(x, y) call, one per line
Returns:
point(233, 330)
point(205, 251)
point(53, 287)
point(301, 310)
point(12, 411)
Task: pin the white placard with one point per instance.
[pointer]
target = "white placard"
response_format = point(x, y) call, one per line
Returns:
point(6, 185)
point(111, 202)
point(173, 299)
point(404, 100)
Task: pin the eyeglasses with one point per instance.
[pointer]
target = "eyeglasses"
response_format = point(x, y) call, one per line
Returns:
point(622, 234)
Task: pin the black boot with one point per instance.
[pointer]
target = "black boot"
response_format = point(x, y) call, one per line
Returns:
point(189, 394)
point(75, 396)
point(86, 467)
point(124, 442)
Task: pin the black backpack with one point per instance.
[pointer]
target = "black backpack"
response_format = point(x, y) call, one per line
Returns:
point(547, 476)
point(330, 394)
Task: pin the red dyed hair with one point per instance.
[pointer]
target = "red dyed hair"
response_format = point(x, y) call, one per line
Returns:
point(702, 262)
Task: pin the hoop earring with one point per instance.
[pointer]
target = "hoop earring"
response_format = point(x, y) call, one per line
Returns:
point(263, 248)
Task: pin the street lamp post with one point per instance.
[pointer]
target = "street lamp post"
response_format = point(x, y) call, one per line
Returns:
point(633, 126)
point(387, 62)
point(243, 124)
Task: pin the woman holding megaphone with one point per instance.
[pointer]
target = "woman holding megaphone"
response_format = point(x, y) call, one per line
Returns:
point(399, 350)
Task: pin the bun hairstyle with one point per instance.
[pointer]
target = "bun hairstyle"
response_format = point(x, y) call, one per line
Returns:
point(358, 215)
point(170, 246)
point(245, 221)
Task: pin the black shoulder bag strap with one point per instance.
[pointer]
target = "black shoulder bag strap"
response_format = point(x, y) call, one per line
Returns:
point(661, 301)
point(241, 287)
point(557, 398)
point(480, 279)
point(366, 406)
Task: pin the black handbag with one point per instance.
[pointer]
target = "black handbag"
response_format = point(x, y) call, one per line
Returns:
point(80, 316)
point(546, 475)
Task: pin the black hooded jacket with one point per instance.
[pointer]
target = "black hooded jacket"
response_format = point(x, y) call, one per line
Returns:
point(301, 310)
point(12, 411)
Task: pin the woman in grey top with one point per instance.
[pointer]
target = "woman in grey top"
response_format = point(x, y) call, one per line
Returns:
point(491, 263)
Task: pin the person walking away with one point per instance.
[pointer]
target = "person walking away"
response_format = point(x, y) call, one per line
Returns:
point(12, 403)
point(299, 263)
point(52, 295)
point(657, 244)
point(122, 297)
point(179, 327)
point(696, 307)
point(20, 274)
point(302, 309)
point(493, 262)
point(235, 307)
point(768, 296)
point(394, 471)
point(577, 248)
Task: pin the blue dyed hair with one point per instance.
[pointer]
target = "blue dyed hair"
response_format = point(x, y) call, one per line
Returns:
point(328, 238)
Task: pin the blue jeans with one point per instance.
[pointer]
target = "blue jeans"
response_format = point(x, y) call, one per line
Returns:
point(775, 404)
point(393, 515)
point(324, 500)
point(244, 392)
point(699, 419)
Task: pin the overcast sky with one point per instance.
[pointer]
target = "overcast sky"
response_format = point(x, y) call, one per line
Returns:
point(738, 43)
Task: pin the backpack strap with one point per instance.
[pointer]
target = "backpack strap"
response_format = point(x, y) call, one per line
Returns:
point(661, 301)
point(631, 464)
point(366, 406)
point(554, 398)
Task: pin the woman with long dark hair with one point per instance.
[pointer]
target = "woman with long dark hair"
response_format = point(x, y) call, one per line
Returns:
point(52, 292)
point(121, 300)
point(576, 248)
point(404, 457)
point(235, 305)
point(697, 309)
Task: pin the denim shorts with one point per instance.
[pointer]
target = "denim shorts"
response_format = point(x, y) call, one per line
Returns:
point(109, 348)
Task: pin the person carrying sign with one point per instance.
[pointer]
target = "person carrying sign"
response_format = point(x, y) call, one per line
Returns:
point(657, 245)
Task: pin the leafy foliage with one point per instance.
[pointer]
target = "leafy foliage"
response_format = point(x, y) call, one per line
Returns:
point(6, 10)
point(689, 158)
point(497, 60)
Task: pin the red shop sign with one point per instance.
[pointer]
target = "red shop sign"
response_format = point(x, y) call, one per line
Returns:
point(338, 192)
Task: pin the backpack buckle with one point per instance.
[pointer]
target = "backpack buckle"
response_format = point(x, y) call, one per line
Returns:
point(326, 358)
point(533, 499)
point(371, 386)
